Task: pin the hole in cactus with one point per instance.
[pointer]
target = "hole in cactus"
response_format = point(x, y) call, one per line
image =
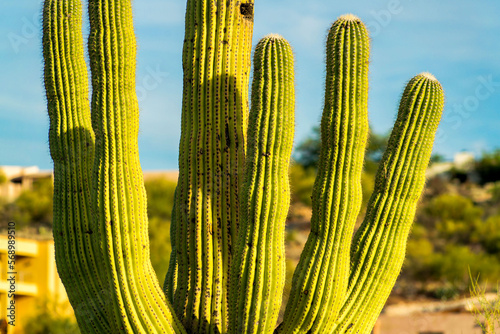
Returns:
point(246, 9)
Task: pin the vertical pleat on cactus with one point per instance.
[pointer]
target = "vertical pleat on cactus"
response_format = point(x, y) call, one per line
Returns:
point(216, 63)
point(380, 243)
point(72, 148)
point(320, 280)
point(258, 270)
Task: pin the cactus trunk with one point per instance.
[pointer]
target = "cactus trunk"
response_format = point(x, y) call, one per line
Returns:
point(216, 62)
point(258, 270)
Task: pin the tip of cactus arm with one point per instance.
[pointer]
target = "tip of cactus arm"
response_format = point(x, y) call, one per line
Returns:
point(428, 76)
point(349, 17)
point(273, 36)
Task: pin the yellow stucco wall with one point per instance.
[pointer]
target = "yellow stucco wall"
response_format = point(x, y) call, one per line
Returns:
point(36, 279)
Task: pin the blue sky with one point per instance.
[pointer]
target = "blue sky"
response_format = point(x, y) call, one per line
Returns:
point(457, 41)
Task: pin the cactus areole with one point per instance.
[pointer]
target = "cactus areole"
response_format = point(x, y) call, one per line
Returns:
point(227, 267)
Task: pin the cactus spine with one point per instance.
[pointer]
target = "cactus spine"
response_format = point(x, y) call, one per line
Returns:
point(224, 277)
point(258, 271)
point(320, 279)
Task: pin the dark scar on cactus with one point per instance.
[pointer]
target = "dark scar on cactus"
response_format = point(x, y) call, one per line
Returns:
point(246, 9)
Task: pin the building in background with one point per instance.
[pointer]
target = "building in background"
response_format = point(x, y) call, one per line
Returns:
point(36, 279)
point(19, 179)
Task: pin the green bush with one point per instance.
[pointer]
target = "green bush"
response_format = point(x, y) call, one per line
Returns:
point(51, 318)
point(488, 166)
point(452, 265)
point(159, 245)
point(160, 194)
point(448, 238)
point(487, 233)
point(301, 183)
point(3, 177)
point(31, 207)
point(419, 255)
point(454, 217)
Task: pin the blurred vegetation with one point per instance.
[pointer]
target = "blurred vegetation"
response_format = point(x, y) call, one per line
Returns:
point(160, 194)
point(32, 208)
point(451, 236)
point(307, 152)
point(51, 318)
point(488, 166)
point(3, 177)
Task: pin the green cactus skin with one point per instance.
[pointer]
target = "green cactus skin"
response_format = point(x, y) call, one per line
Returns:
point(258, 271)
point(138, 303)
point(101, 239)
point(170, 283)
point(320, 280)
point(72, 149)
point(216, 63)
point(380, 243)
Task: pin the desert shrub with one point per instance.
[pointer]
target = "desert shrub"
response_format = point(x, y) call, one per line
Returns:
point(159, 244)
point(33, 206)
point(488, 166)
point(51, 317)
point(160, 194)
point(419, 255)
point(452, 265)
point(487, 233)
point(301, 183)
point(454, 217)
point(3, 177)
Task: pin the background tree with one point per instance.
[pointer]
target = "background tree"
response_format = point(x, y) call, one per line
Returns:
point(488, 166)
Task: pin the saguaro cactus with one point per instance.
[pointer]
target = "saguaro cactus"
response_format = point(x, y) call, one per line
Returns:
point(226, 270)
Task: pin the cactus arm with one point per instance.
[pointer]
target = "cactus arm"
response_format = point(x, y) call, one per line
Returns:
point(137, 303)
point(216, 61)
point(258, 268)
point(72, 147)
point(379, 245)
point(320, 280)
